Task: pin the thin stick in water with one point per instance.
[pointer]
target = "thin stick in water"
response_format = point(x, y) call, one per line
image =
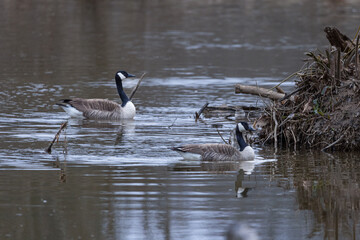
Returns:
point(221, 136)
point(197, 114)
point(137, 86)
point(172, 123)
point(56, 138)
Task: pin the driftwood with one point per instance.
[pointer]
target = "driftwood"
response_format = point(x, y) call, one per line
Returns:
point(337, 39)
point(262, 92)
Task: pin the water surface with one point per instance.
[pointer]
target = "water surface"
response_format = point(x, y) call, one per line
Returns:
point(119, 180)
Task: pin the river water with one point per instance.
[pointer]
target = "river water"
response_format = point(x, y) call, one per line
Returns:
point(119, 180)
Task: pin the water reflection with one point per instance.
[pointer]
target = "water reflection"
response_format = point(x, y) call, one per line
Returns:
point(237, 169)
point(122, 129)
point(62, 168)
point(241, 231)
point(120, 181)
point(328, 186)
point(239, 189)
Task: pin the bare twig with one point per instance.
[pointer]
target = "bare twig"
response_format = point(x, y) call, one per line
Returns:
point(338, 66)
point(357, 57)
point(287, 78)
point(56, 138)
point(357, 34)
point(292, 93)
point(137, 86)
point(198, 114)
point(221, 136)
point(294, 137)
point(172, 123)
point(275, 130)
point(332, 144)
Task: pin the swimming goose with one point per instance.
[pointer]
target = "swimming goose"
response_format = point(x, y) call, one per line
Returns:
point(220, 152)
point(102, 108)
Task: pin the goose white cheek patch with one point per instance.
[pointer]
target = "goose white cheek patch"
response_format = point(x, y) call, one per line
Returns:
point(241, 127)
point(121, 76)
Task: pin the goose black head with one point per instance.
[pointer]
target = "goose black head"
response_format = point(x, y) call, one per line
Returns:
point(244, 126)
point(240, 128)
point(121, 75)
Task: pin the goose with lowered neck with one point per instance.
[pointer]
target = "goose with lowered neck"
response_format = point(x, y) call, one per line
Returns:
point(102, 109)
point(220, 152)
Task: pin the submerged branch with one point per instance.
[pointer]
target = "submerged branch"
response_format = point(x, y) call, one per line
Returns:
point(56, 138)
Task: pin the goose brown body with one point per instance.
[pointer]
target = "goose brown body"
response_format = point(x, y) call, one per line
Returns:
point(102, 109)
point(215, 152)
point(220, 152)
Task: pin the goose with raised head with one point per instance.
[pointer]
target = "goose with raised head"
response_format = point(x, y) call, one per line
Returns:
point(102, 109)
point(220, 152)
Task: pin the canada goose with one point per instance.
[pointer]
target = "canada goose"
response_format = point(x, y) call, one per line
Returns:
point(220, 152)
point(102, 108)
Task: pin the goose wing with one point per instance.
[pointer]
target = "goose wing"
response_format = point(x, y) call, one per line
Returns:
point(84, 105)
point(93, 108)
point(211, 152)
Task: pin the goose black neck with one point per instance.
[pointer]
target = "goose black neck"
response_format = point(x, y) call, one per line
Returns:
point(240, 140)
point(121, 92)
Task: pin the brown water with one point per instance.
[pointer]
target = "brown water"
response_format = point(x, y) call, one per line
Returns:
point(109, 180)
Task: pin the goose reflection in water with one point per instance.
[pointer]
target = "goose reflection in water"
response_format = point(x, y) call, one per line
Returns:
point(124, 127)
point(241, 192)
point(241, 231)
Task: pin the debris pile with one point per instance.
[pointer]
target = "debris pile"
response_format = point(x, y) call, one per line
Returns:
point(324, 110)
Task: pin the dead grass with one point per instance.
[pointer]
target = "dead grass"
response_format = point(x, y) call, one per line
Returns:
point(325, 112)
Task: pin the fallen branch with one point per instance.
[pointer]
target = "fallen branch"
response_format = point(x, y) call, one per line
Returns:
point(56, 138)
point(262, 92)
point(197, 114)
point(332, 144)
point(137, 86)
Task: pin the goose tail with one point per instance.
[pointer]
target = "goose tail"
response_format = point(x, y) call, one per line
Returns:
point(177, 149)
point(70, 109)
point(64, 102)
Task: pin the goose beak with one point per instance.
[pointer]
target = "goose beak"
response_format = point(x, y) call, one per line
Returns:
point(251, 128)
point(130, 75)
